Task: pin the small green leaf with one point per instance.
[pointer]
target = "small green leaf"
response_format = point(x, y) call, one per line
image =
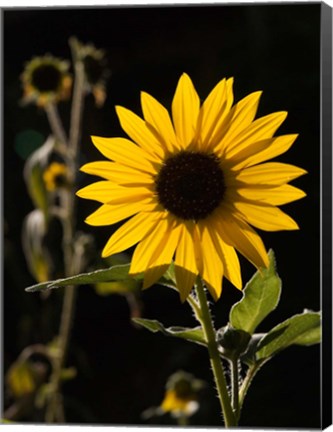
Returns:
point(302, 329)
point(261, 296)
point(195, 335)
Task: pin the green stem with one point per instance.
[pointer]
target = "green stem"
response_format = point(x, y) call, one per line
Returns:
point(54, 410)
point(247, 381)
point(234, 386)
point(55, 123)
point(207, 324)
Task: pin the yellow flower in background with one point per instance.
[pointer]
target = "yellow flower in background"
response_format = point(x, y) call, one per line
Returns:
point(191, 187)
point(55, 176)
point(181, 396)
point(46, 79)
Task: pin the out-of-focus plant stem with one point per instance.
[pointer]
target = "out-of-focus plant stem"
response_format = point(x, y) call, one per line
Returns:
point(56, 124)
point(55, 410)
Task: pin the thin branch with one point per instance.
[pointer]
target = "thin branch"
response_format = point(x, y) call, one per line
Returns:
point(55, 123)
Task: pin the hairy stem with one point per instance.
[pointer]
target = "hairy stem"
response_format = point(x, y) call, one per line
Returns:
point(208, 328)
point(234, 386)
point(251, 372)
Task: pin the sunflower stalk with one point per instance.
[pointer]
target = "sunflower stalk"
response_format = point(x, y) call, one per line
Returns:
point(205, 319)
point(55, 411)
point(56, 123)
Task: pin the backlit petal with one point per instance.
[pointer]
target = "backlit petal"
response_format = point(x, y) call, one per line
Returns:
point(260, 151)
point(212, 263)
point(110, 214)
point(150, 245)
point(266, 217)
point(158, 117)
point(242, 116)
point(138, 131)
point(262, 128)
point(160, 260)
point(185, 262)
point(126, 152)
point(117, 173)
point(211, 111)
point(237, 233)
point(108, 192)
point(227, 254)
point(185, 110)
point(224, 119)
point(267, 174)
point(276, 196)
point(131, 232)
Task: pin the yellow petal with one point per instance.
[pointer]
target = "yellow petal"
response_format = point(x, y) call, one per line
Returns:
point(226, 253)
point(211, 111)
point(185, 262)
point(242, 116)
point(185, 110)
point(266, 217)
point(260, 151)
point(149, 245)
point(262, 128)
point(138, 131)
point(110, 214)
point(117, 173)
point(131, 232)
point(152, 275)
point(212, 262)
point(224, 119)
point(99, 191)
point(107, 192)
point(237, 233)
point(161, 257)
point(267, 174)
point(158, 117)
point(275, 196)
point(126, 152)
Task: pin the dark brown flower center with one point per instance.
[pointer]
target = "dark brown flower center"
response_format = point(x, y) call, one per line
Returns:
point(46, 78)
point(190, 184)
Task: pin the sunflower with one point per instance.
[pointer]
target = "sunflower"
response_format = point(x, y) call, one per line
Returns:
point(191, 188)
point(181, 396)
point(46, 79)
point(95, 67)
point(55, 176)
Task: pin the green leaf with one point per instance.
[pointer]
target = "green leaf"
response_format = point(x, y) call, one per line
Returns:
point(33, 175)
point(117, 287)
point(115, 273)
point(112, 274)
point(302, 329)
point(195, 335)
point(261, 296)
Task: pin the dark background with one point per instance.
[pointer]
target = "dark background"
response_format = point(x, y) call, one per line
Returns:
point(121, 369)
